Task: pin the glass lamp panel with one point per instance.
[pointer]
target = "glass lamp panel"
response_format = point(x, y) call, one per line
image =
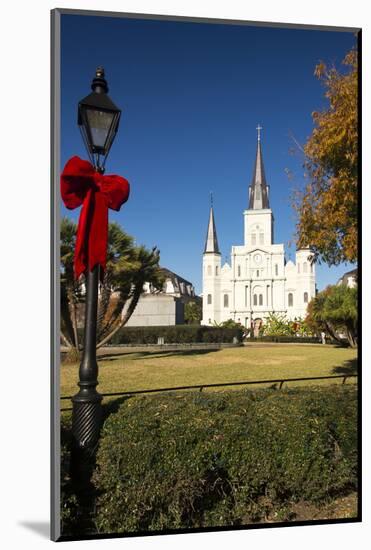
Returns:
point(99, 124)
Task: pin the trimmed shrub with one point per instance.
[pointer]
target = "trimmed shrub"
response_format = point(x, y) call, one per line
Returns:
point(216, 459)
point(297, 340)
point(69, 504)
point(286, 339)
point(176, 334)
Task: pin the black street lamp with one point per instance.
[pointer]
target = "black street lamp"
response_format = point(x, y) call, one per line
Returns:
point(98, 119)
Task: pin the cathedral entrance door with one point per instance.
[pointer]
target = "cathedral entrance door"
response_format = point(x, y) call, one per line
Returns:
point(257, 326)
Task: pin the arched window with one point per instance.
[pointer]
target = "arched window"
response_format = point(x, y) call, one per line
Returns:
point(253, 239)
point(305, 267)
point(260, 299)
point(239, 271)
point(216, 270)
point(209, 299)
point(291, 299)
point(261, 238)
point(305, 297)
point(276, 269)
point(226, 300)
point(311, 268)
point(258, 193)
point(298, 268)
point(255, 299)
point(257, 273)
point(209, 269)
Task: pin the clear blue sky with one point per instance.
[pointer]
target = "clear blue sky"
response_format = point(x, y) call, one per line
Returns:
point(192, 95)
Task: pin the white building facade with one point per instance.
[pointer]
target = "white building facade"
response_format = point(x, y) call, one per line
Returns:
point(163, 307)
point(258, 280)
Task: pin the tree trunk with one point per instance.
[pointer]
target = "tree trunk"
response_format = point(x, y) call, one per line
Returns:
point(332, 332)
point(103, 304)
point(126, 317)
point(351, 336)
point(66, 321)
point(72, 304)
point(65, 341)
point(112, 317)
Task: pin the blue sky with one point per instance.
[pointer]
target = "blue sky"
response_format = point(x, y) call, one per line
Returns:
point(192, 95)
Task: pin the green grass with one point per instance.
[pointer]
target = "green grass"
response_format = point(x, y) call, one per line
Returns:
point(140, 370)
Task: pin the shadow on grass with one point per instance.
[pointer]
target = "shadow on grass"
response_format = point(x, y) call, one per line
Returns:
point(348, 367)
point(155, 354)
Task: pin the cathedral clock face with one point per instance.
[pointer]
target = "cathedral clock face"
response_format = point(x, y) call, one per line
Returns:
point(257, 258)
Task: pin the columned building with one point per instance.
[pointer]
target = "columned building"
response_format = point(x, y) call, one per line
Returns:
point(257, 281)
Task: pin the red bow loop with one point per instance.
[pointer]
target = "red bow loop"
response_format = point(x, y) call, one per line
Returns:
point(82, 185)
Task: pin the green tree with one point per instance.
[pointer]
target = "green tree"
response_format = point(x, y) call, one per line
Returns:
point(193, 313)
point(128, 268)
point(230, 323)
point(278, 325)
point(340, 309)
point(327, 208)
point(334, 310)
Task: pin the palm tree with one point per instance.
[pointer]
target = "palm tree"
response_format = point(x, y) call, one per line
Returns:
point(71, 290)
point(193, 313)
point(128, 268)
point(117, 280)
point(147, 270)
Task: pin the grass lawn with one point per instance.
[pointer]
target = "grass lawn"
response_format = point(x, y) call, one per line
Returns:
point(140, 370)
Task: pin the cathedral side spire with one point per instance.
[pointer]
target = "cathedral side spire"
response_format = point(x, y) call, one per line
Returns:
point(258, 190)
point(211, 244)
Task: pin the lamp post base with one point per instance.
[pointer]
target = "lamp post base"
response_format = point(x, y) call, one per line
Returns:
point(86, 424)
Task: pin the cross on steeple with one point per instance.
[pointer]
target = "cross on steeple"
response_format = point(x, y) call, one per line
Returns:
point(211, 199)
point(259, 128)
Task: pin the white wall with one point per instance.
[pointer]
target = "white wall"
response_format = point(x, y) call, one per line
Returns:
point(258, 221)
point(211, 277)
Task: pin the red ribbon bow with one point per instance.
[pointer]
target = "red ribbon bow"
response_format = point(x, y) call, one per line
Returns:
point(82, 185)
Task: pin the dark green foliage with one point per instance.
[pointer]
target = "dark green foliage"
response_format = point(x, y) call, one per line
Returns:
point(201, 460)
point(286, 339)
point(193, 312)
point(177, 334)
point(69, 503)
point(335, 311)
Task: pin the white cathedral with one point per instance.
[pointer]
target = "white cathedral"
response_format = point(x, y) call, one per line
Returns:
point(258, 281)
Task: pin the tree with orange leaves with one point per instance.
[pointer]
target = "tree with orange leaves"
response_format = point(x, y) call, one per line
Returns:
point(327, 208)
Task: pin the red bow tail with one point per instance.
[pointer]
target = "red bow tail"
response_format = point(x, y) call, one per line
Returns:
point(82, 185)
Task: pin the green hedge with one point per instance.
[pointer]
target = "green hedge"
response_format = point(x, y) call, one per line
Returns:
point(177, 334)
point(286, 339)
point(216, 459)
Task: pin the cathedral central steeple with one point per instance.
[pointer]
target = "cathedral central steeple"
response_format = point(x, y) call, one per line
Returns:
point(258, 190)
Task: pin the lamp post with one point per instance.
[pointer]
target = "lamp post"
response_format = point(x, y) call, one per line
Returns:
point(98, 119)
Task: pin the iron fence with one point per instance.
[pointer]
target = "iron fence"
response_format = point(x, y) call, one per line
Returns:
point(201, 387)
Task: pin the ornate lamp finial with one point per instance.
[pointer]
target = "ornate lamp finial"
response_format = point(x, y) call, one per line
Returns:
point(99, 83)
